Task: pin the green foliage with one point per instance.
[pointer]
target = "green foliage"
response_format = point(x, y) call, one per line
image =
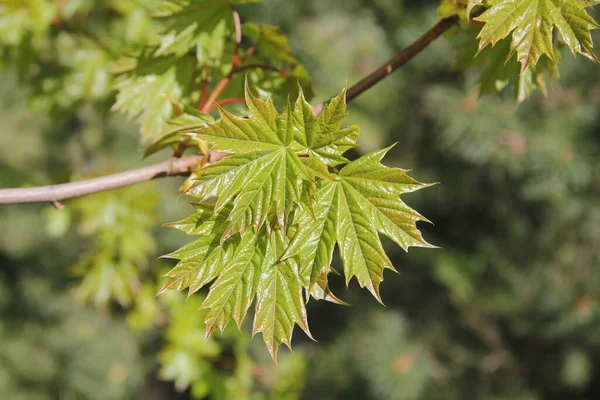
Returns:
point(281, 206)
point(523, 31)
point(271, 214)
point(531, 24)
point(120, 225)
point(197, 49)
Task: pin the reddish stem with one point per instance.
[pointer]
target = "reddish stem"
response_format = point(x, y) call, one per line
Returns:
point(216, 92)
point(237, 23)
point(204, 94)
point(230, 100)
point(249, 52)
point(222, 102)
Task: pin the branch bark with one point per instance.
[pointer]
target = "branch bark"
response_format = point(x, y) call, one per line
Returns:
point(401, 58)
point(54, 193)
point(183, 166)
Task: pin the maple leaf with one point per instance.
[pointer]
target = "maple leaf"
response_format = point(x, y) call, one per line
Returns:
point(323, 136)
point(240, 270)
point(351, 210)
point(202, 260)
point(531, 23)
point(496, 74)
point(191, 22)
point(266, 174)
point(279, 303)
point(233, 292)
point(147, 99)
point(249, 252)
point(271, 43)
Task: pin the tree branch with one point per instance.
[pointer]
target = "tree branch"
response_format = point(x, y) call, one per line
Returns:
point(183, 166)
point(54, 193)
point(401, 58)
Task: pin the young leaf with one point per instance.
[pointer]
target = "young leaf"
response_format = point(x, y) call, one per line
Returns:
point(279, 171)
point(233, 292)
point(271, 43)
point(352, 210)
point(147, 98)
point(190, 21)
point(532, 22)
point(203, 259)
point(323, 136)
point(266, 175)
point(279, 303)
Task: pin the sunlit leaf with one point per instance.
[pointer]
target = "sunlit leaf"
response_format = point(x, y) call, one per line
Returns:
point(531, 24)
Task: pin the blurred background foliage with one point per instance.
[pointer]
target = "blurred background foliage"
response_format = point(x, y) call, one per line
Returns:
point(508, 309)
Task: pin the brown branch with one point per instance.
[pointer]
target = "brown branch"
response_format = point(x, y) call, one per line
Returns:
point(400, 59)
point(54, 193)
point(184, 166)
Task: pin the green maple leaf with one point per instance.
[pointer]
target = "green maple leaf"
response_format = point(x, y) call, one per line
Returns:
point(233, 292)
point(271, 213)
point(279, 303)
point(200, 261)
point(146, 98)
point(192, 22)
point(240, 270)
point(351, 211)
point(273, 159)
point(323, 136)
point(497, 74)
point(532, 22)
point(271, 43)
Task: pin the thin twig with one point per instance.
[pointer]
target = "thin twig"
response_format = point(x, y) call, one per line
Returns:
point(401, 58)
point(222, 84)
point(209, 105)
point(237, 23)
point(230, 100)
point(249, 52)
point(54, 193)
point(216, 93)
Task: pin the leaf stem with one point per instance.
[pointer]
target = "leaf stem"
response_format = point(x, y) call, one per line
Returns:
point(237, 23)
point(204, 94)
point(229, 100)
point(215, 93)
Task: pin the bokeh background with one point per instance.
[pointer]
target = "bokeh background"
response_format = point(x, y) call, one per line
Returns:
point(507, 309)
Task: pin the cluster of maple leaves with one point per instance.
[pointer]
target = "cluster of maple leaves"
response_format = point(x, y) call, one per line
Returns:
point(270, 214)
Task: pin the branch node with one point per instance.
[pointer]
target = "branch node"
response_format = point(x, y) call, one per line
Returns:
point(58, 205)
